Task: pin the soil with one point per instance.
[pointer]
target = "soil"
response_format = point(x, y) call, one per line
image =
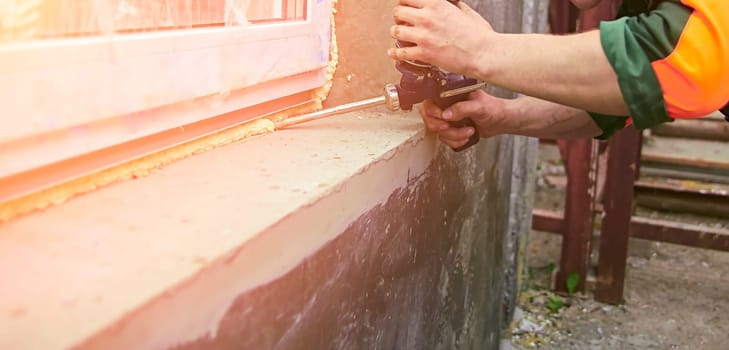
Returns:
point(675, 297)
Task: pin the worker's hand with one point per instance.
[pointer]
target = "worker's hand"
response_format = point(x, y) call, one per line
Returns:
point(486, 111)
point(452, 38)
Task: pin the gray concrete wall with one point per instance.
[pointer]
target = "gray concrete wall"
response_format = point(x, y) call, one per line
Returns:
point(527, 16)
point(534, 20)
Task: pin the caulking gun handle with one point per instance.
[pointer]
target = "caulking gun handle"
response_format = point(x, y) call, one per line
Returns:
point(444, 103)
point(473, 139)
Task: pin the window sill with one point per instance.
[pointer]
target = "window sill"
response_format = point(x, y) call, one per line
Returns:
point(113, 264)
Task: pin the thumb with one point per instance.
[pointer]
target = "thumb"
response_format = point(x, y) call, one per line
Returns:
point(462, 110)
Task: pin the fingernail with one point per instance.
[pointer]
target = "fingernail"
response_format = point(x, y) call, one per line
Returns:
point(470, 132)
point(447, 115)
point(391, 52)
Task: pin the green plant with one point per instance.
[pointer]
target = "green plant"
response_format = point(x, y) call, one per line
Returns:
point(554, 304)
point(573, 280)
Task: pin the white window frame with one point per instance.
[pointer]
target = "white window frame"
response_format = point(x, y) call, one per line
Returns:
point(63, 98)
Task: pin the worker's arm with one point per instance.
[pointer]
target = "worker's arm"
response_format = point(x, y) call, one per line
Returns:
point(665, 64)
point(570, 70)
point(526, 116)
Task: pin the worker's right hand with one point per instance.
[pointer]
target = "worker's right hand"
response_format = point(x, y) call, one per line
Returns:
point(453, 38)
point(486, 111)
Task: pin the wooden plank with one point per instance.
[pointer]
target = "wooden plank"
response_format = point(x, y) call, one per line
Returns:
point(618, 204)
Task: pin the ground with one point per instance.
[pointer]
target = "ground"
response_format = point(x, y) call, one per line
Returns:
point(676, 297)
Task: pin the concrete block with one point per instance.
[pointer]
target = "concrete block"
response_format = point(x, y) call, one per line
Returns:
point(355, 232)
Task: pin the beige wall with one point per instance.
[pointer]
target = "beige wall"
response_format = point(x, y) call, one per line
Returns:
point(363, 37)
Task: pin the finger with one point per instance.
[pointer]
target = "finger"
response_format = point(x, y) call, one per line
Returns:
point(457, 134)
point(412, 53)
point(412, 3)
point(406, 33)
point(453, 144)
point(429, 107)
point(435, 124)
point(462, 110)
point(406, 14)
point(431, 120)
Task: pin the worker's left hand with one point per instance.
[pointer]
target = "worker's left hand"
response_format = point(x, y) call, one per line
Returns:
point(487, 112)
point(452, 38)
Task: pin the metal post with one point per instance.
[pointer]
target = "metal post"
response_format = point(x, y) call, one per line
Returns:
point(579, 206)
point(618, 205)
point(562, 17)
point(580, 158)
point(604, 11)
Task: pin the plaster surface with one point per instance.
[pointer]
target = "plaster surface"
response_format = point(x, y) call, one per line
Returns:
point(108, 253)
point(363, 37)
point(162, 261)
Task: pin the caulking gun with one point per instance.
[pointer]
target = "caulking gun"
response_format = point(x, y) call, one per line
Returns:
point(419, 82)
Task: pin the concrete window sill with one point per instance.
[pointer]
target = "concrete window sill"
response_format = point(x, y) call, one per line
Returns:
point(107, 268)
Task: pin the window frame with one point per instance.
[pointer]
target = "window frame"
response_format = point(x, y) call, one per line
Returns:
point(100, 92)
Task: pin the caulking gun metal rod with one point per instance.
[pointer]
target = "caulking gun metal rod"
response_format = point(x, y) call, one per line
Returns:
point(463, 90)
point(349, 107)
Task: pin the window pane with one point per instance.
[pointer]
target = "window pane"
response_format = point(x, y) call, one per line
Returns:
point(42, 19)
